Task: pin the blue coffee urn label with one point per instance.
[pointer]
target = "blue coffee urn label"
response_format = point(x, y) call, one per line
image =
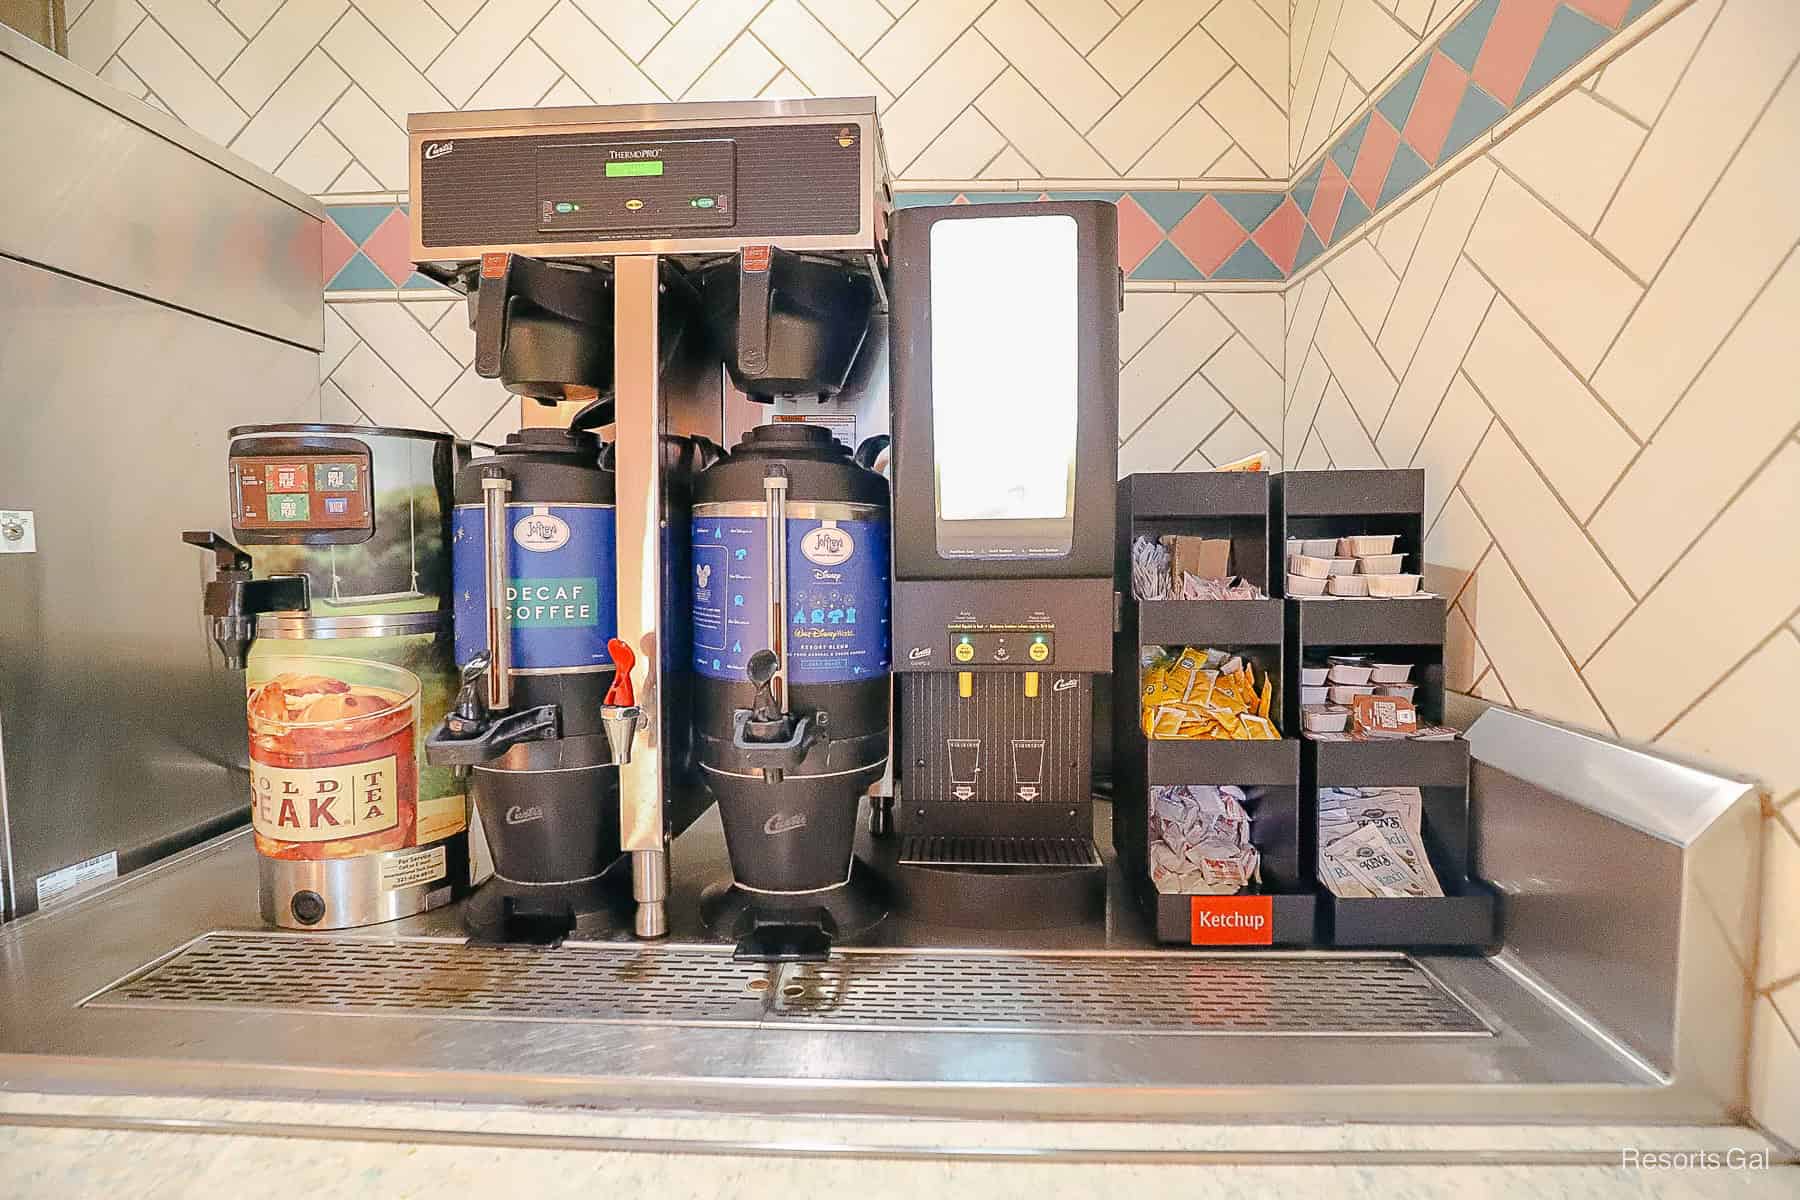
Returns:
point(837, 597)
point(560, 563)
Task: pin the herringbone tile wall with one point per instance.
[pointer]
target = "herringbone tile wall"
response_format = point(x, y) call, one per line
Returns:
point(1586, 337)
point(318, 90)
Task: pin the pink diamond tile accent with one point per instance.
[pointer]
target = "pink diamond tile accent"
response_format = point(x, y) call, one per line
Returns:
point(1608, 12)
point(1512, 42)
point(1374, 158)
point(390, 248)
point(1138, 234)
point(1208, 235)
point(960, 199)
point(1327, 199)
point(1279, 235)
point(337, 247)
point(1435, 108)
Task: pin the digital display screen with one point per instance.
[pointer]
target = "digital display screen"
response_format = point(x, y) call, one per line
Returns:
point(295, 507)
point(622, 170)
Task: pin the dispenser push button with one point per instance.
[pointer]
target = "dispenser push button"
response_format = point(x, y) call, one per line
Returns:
point(1031, 685)
point(965, 684)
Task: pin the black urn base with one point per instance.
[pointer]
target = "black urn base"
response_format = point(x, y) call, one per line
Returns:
point(796, 926)
point(545, 914)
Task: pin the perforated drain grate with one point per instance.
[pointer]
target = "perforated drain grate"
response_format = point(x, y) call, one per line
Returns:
point(1332, 995)
point(947, 851)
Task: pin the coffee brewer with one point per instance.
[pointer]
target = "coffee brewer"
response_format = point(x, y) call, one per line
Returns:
point(337, 610)
point(750, 234)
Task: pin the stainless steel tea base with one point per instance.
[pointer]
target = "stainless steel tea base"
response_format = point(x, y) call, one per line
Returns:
point(342, 893)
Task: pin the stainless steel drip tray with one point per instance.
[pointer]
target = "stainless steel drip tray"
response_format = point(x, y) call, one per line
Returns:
point(1092, 993)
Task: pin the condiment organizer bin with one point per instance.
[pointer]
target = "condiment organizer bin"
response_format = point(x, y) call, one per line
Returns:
point(1230, 505)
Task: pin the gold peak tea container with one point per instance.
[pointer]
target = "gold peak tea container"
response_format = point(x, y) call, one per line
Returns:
point(351, 826)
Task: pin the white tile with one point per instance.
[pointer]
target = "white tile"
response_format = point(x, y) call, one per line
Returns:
point(916, 39)
point(563, 93)
point(383, 72)
point(1175, 430)
point(1193, 147)
point(785, 86)
point(374, 388)
point(429, 312)
point(335, 408)
point(1345, 437)
point(1736, 70)
point(1743, 725)
point(1145, 315)
point(1252, 120)
point(1414, 14)
point(1250, 385)
point(1538, 676)
point(1308, 306)
point(519, 82)
point(124, 78)
point(1641, 80)
point(1234, 440)
point(355, 178)
point(1037, 131)
point(1314, 113)
point(1369, 42)
point(1456, 430)
point(340, 340)
point(288, 38)
point(1745, 229)
point(1313, 455)
point(1447, 337)
point(960, 151)
point(293, 112)
point(742, 71)
point(1399, 233)
point(315, 162)
point(413, 26)
point(1456, 204)
point(1573, 154)
point(1443, 10)
point(403, 345)
point(1353, 360)
point(1311, 380)
point(481, 44)
point(1453, 548)
point(1317, 77)
point(858, 24)
point(249, 15)
point(378, 143)
point(1145, 113)
point(97, 34)
point(1492, 689)
point(1464, 659)
point(807, 47)
point(1363, 281)
point(1775, 1065)
point(1163, 365)
point(456, 12)
point(1040, 54)
point(1152, 29)
point(589, 58)
point(505, 421)
point(1350, 101)
point(1574, 441)
point(196, 25)
point(1725, 425)
point(1278, 12)
point(634, 26)
point(1083, 22)
point(188, 91)
point(1571, 293)
point(1714, 621)
point(470, 403)
point(939, 97)
point(1581, 597)
point(1233, 164)
point(1254, 42)
point(453, 334)
point(1256, 315)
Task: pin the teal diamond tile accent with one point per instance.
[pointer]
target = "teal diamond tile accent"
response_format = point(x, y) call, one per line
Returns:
point(922, 199)
point(1167, 208)
point(1310, 246)
point(1248, 263)
point(358, 221)
point(1166, 262)
point(1568, 40)
point(419, 283)
point(1309, 183)
point(1407, 169)
point(1474, 117)
point(1353, 213)
point(1344, 153)
point(1109, 197)
point(1396, 106)
point(1001, 197)
point(1250, 209)
point(359, 274)
point(1463, 44)
point(1638, 8)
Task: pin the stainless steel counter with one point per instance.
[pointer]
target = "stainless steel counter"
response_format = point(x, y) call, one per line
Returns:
point(165, 982)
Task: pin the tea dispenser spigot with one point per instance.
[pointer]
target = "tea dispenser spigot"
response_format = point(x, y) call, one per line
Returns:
point(233, 598)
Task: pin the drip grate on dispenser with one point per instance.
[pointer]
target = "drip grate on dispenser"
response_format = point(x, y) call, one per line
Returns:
point(946, 850)
point(1335, 995)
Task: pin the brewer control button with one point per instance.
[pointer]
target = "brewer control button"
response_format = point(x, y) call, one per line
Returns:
point(1001, 654)
point(308, 907)
point(964, 652)
point(1039, 652)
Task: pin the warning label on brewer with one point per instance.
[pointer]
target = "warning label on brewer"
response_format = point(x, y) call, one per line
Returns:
point(406, 870)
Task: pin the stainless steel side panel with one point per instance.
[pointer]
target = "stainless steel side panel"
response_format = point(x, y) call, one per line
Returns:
point(123, 729)
point(104, 187)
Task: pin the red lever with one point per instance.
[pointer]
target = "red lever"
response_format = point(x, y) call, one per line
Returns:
point(624, 660)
